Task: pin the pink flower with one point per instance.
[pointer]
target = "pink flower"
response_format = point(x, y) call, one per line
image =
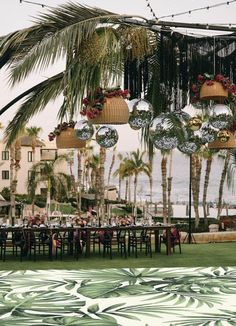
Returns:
point(194, 88)
point(200, 79)
point(209, 82)
point(219, 77)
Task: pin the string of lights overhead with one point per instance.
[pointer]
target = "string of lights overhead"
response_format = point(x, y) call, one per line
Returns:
point(36, 4)
point(220, 4)
point(151, 10)
point(156, 20)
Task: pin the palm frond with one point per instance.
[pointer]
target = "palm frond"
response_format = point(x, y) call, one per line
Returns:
point(73, 24)
point(35, 102)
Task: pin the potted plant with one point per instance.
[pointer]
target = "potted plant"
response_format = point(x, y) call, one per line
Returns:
point(65, 136)
point(213, 87)
point(106, 106)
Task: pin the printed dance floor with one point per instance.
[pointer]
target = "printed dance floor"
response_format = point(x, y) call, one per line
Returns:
point(127, 297)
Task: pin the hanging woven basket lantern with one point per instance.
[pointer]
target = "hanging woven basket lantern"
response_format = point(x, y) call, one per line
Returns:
point(225, 140)
point(68, 139)
point(115, 112)
point(213, 91)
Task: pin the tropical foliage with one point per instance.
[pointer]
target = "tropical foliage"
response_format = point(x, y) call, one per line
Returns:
point(45, 174)
point(88, 41)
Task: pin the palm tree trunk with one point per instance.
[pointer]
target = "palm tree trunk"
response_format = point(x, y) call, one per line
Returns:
point(198, 180)
point(206, 183)
point(222, 180)
point(78, 197)
point(102, 184)
point(16, 167)
point(151, 186)
point(164, 187)
point(135, 188)
point(129, 188)
point(48, 203)
point(111, 166)
point(126, 189)
point(97, 185)
point(119, 191)
point(12, 185)
point(33, 159)
point(169, 187)
point(194, 188)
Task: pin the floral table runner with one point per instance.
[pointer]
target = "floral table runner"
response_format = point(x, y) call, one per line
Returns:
point(129, 297)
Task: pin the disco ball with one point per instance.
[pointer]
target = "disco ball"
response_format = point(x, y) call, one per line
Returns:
point(208, 133)
point(220, 116)
point(135, 122)
point(182, 116)
point(160, 124)
point(165, 131)
point(84, 130)
point(223, 136)
point(107, 136)
point(166, 142)
point(191, 143)
point(194, 123)
point(141, 114)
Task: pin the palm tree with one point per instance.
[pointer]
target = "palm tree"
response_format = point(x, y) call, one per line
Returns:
point(15, 158)
point(169, 186)
point(57, 183)
point(119, 172)
point(137, 167)
point(102, 159)
point(208, 156)
point(222, 181)
point(113, 159)
point(196, 177)
point(90, 42)
point(33, 133)
point(164, 184)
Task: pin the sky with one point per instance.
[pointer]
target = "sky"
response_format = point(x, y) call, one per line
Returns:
point(14, 15)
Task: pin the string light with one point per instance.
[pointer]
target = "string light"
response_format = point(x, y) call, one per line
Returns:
point(36, 4)
point(151, 10)
point(197, 9)
point(153, 13)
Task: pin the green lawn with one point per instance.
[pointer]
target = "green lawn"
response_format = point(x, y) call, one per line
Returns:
point(194, 255)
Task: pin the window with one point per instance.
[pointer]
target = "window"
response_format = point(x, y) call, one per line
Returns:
point(5, 174)
point(5, 155)
point(30, 156)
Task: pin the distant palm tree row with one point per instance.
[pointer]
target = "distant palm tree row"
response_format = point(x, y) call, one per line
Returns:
point(91, 175)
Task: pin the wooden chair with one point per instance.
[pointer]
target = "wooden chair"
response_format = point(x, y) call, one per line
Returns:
point(3, 240)
point(39, 242)
point(138, 239)
point(175, 239)
point(121, 242)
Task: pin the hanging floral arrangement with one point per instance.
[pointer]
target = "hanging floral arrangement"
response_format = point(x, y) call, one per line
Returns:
point(209, 80)
point(61, 127)
point(93, 104)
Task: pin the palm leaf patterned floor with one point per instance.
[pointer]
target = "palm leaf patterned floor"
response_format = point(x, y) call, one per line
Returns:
point(148, 297)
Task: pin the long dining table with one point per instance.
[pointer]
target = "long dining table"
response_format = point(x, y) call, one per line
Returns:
point(154, 229)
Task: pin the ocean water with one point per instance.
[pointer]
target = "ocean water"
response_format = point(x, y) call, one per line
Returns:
point(180, 181)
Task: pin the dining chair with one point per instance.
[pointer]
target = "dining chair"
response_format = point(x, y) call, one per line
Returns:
point(39, 242)
point(137, 239)
point(175, 239)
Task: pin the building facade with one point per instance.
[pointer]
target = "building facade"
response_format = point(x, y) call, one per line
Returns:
point(44, 151)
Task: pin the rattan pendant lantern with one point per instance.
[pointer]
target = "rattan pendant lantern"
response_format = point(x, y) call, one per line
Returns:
point(213, 91)
point(67, 139)
point(225, 140)
point(115, 112)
